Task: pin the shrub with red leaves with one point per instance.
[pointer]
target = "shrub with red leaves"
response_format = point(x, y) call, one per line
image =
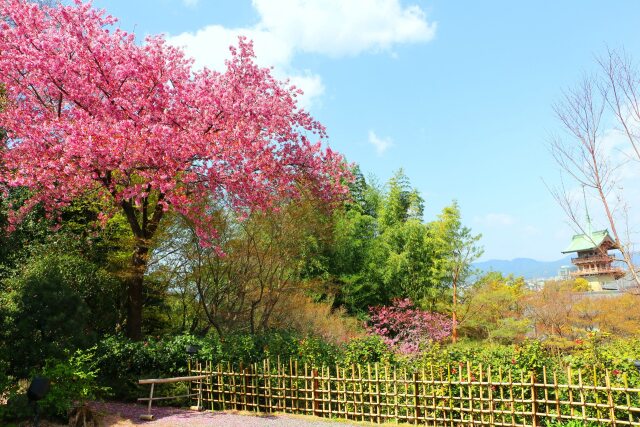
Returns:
point(405, 328)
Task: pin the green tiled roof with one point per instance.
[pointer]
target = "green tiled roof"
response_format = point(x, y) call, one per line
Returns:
point(584, 242)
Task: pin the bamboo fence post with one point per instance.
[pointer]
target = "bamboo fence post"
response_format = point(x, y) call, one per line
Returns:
point(200, 385)
point(423, 380)
point(523, 397)
point(406, 408)
point(546, 392)
point(386, 393)
point(243, 382)
point(470, 393)
point(281, 387)
point(370, 391)
point(460, 395)
point(597, 393)
point(307, 387)
point(557, 392)
point(570, 380)
point(244, 388)
point(279, 390)
point(338, 392)
point(269, 391)
point(329, 389)
point(502, 406)
point(342, 392)
point(249, 387)
point(221, 387)
point(353, 391)
point(269, 385)
point(191, 372)
point(583, 404)
point(251, 391)
point(206, 386)
point(481, 392)
point(416, 398)
point(626, 386)
point(241, 396)
point(259, 378)
point(377, 393)
point(490, 394)
point(345, 392)
point(345, 378)
point(534, 401)
point(435, 397)
point(297, 393)
point(214, 376)
point(612, 409)
point(449, 408)
point(361, 393)
point(232, 374)
point(512, 399)
point(326, 389)
point(292, 384)
point(395, 395)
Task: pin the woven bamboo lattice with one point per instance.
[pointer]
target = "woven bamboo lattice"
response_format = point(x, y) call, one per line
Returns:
point(459, 395)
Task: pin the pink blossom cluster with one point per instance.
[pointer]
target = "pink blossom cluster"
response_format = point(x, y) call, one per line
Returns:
point(405, 328)
point(92, 112)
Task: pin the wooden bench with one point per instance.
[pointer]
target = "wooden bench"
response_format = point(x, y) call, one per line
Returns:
point(153, 381)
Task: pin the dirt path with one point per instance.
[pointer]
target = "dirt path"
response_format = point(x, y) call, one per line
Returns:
point(127, 415)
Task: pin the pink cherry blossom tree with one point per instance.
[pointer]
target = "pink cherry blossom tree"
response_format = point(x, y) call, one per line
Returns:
point(89, 111)
point(405, 328)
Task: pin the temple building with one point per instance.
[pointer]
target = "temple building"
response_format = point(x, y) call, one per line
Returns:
point(593, 261)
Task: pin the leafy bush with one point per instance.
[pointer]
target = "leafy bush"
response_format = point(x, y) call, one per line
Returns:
point(571, 423)
point(17, 405)
point(371, 349)
point(406, 328)
point(44, 316)
point(123, 362)
point(72, 381)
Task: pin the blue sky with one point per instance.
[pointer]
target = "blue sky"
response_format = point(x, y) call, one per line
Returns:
point(459, 94)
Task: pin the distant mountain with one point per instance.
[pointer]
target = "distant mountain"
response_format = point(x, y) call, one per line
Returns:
point(526, 267)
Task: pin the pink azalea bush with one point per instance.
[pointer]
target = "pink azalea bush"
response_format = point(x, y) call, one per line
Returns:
point(405, 328)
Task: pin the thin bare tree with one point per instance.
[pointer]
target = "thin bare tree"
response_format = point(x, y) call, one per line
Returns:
point(606, 102)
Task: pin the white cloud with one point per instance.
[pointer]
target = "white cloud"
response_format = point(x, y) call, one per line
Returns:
point(329, 27)
point(338, 27)
point(209, 46)
point(190, 3)
point(380, 144)
point(311, 85)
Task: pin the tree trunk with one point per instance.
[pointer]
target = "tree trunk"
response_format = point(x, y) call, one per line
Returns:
point(143, 229)
point(454, 314)
point(135, 294)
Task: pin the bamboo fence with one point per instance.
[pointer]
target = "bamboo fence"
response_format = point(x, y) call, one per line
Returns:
point(454, 395)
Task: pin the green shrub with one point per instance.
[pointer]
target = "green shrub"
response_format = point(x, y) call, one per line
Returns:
point(123, 362)
point(45, 311)
point(73, 381)
point(571, 423)
point(370, 349)
point(17, 406)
